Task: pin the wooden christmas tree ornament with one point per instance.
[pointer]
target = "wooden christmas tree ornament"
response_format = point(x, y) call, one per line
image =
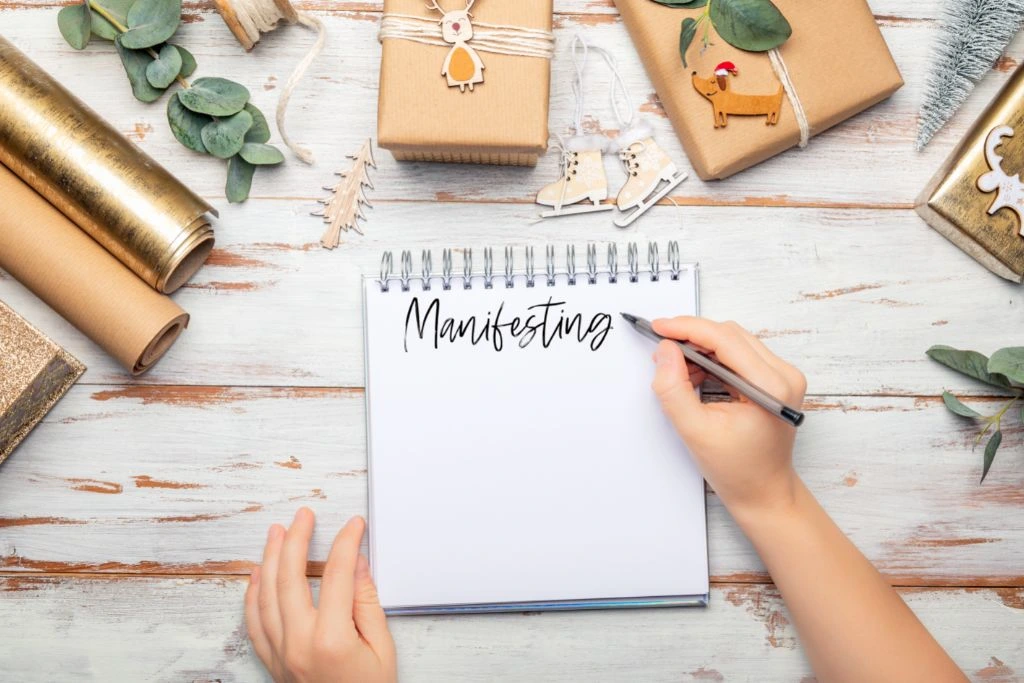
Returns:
point(718, 91)
point(343, 210)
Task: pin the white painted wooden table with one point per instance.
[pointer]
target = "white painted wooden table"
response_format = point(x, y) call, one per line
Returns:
point(131, 517)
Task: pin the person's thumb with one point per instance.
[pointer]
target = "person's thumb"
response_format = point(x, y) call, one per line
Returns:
point(672, 385)
point(367, 612)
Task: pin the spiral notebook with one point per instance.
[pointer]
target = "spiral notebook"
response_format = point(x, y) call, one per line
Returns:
point(518, 459)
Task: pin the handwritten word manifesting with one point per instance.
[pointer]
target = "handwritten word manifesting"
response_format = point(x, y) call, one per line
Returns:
point(544, 322)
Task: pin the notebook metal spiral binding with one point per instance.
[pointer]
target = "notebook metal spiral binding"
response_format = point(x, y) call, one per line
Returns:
point(510, 273)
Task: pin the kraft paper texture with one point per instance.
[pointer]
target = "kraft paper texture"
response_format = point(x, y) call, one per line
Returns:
point(953, 204)
point(41, 248)
point(34, 374)
point(836, 57)
point(126, 201)
point(503, 121)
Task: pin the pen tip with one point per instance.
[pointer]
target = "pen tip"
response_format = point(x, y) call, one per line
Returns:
point(628, 317)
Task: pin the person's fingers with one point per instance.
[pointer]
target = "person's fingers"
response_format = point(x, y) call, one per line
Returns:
point(337, 590)
point(368, 614)
point(293, 592)
point(729, 346)
point(253, 623)
point(672, 385)
point(792, 375)
point(270, 611)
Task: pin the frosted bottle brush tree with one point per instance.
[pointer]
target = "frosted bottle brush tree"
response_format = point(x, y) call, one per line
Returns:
point(209, 115)
point(973, 36)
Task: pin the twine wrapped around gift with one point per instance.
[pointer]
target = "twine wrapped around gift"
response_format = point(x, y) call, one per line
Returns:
point(779, 67)
point(499, 39)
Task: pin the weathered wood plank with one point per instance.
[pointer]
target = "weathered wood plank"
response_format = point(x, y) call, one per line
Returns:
point(187, 480)
point(868, 161)
point(852, 297)
point(193, 630)
point(926, 10)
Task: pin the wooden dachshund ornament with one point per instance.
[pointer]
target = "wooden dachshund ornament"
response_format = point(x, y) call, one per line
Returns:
point(463, 66)
point(725, 101)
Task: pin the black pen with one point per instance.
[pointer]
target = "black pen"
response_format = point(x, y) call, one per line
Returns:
point(752, 392)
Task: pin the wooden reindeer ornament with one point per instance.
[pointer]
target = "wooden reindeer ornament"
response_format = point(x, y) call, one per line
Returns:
point(725, 101)
point(1009, 189)
point(463, 66)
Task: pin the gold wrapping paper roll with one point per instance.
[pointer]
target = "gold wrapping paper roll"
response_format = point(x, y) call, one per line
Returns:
point(126, 201)
point(68, 270)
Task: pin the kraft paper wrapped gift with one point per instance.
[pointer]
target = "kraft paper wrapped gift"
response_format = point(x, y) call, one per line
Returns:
point(837, 59)
point(34, 374)
point(976, 199)
point(503, 120)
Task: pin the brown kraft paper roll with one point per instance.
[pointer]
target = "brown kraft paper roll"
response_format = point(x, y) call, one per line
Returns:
point(41, 248)
point(127, 202)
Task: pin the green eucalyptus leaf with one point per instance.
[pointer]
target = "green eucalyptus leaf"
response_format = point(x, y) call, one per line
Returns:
point(687, 32)
point(260, 131)
point(135, 64)
point(682, 4)
point(970, 363)
point(118, 9)
point(151, 22)
point(1009, 363)
point(215, 96)
point(259, 154)
point(162, 71)
point(75, 24)
point(186, 125)
point(954, 404)
point(755, 25)
point(188, 62)
point(224, 138)
point(239, 179)
point(990, 452)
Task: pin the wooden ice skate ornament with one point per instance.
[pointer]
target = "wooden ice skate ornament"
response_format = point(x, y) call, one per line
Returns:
point(462, 67)
point(582, 157)
point(344, 209)
point(725, 101)
point(651, 173)
point(1009, 189)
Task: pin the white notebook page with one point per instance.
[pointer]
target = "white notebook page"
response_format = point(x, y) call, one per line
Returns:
point(543, 471)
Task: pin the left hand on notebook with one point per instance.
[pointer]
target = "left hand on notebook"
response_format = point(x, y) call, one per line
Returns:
point(345, 637)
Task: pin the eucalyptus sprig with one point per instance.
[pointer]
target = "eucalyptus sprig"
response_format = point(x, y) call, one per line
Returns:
point(210, 115)
point(1004, 370)
point(752, 25)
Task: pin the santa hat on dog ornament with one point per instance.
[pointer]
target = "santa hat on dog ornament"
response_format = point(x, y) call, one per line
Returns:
point(722, 71)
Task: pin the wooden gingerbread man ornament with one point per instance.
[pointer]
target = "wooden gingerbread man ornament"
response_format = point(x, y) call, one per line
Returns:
point(463, 66)
point(725, 101)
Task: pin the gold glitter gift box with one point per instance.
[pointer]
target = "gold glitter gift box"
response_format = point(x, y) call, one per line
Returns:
point(976, 200)
point(34, 374)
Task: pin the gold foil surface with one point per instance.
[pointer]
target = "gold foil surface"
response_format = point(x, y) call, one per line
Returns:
point(34, 374)
point(110, 188)
point(953, 204)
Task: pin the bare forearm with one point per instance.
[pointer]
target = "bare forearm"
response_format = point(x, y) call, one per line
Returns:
point(853, 625)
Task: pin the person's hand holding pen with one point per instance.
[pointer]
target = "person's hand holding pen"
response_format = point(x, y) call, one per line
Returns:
point(745, 452)
point(853, 625)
